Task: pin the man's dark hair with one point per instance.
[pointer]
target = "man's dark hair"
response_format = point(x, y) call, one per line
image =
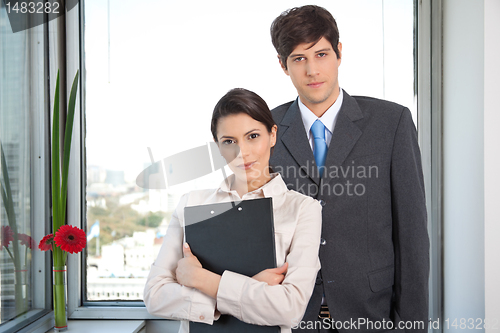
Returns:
point(306, 24)
point(239, 100)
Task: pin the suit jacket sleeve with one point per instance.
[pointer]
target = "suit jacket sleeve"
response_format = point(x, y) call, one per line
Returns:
point(410, 236)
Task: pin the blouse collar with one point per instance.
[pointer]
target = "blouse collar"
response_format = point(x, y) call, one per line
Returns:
point(275, 186)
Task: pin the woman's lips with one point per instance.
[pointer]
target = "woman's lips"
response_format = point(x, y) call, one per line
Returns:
point(246, 166)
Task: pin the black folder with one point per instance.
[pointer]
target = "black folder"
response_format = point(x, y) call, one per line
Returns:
point(234, 236)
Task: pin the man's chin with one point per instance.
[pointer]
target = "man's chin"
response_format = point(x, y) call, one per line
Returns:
point(314, 100)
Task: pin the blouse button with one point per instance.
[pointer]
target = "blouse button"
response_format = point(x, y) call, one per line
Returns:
point(202, 317)
point(323, 241)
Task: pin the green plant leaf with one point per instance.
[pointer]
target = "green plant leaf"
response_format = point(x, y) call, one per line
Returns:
point(56, 218)
point(7, 194)
point(67, 143)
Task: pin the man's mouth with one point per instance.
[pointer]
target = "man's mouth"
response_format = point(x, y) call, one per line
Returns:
point(315, 84)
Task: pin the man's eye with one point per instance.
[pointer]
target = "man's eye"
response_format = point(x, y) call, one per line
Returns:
point(298, 59)
point(321, 55)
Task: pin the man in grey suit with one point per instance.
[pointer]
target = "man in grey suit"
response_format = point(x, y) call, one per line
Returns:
point(360, 158)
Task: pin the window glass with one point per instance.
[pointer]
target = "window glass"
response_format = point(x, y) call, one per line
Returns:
point(16, 245)
point(154, 72)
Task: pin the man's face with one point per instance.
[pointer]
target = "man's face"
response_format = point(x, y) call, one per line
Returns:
point(314, 73)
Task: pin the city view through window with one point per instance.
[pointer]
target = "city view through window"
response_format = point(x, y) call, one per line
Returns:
point(153, 73)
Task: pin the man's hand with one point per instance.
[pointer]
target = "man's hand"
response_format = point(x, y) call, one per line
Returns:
point(188, 268)
point(272, 276)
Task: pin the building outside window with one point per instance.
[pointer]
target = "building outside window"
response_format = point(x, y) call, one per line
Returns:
point(152, 80)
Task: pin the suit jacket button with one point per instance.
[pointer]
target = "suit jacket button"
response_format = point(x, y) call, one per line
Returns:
point(323, 241)
point(322, 202)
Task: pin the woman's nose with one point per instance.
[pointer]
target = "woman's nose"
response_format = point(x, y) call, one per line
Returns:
point(244, 149)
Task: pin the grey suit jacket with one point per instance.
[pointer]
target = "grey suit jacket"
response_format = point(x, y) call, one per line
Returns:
point(375, 246)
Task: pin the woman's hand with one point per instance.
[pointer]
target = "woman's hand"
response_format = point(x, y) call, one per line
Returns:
point(272, 276)
point(188, 268)
point(191, 274)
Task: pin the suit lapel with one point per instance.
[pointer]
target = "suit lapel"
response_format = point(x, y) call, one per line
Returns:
point(295, 140)
point(345, 135)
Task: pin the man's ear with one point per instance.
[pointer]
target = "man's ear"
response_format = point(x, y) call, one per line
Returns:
point(340, 52)
point(283, 67)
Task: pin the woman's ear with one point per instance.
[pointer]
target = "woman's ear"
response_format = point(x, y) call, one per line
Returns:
point(274, 132)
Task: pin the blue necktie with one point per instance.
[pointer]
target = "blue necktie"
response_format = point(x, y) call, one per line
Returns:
point(320, 148)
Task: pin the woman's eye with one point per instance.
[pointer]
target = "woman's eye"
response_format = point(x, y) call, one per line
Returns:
point(254, 135)
point(227, 142)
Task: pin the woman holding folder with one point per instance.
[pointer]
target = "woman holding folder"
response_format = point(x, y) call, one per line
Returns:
point(178, 287)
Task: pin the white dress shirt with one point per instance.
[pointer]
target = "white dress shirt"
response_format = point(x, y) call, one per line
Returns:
point(329, 118)
point(297, 224)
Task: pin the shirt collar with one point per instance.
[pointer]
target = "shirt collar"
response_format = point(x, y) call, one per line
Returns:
point(328, 118)
point(273, 187)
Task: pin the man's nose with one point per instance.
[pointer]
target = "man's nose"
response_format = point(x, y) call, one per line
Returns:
point(312, 68)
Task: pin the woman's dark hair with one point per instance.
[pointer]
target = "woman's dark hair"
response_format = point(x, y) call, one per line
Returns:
point(240, 100)
point(306, 24)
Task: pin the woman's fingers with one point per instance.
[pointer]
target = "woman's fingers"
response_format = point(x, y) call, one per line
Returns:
point(279, 270)
point(279, 279)
point(272, 276)
point(187, 251)
point(282, 269)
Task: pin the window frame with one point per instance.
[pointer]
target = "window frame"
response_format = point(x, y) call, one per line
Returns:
point(40, 318)
point(430, 113)
point(75, 59)
point(428, 80)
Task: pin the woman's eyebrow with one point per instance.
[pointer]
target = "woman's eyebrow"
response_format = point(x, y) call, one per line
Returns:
point(232, 137)
point(256, 129)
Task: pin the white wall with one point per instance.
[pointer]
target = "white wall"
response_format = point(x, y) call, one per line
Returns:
point(492, 158)
point(463, 149)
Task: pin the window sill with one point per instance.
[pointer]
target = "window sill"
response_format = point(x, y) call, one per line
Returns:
point(105, 326)
point(29, 322)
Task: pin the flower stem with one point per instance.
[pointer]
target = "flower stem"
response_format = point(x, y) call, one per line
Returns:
point(10, 254)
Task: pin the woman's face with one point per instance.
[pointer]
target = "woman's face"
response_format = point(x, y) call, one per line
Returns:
point(245, 144)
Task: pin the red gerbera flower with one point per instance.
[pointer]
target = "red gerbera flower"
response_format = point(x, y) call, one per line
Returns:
point(70, 239)
point(7, 236)
point(46, 243)
point(26, 240)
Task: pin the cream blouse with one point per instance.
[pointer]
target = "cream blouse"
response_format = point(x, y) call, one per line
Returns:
point(297, 224)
